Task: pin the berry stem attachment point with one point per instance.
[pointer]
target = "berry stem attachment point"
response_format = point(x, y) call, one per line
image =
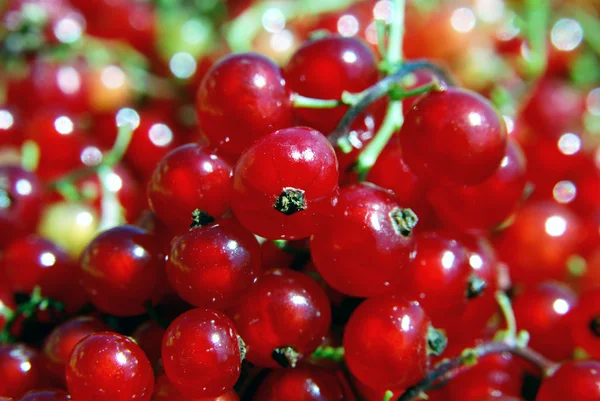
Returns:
point(290, 201)
point(335, 354)
point(201, 218)
point(286, 357)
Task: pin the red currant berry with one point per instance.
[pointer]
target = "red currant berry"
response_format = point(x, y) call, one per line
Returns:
point(538, 243)
point(20, 369)
point(121, 268)
point(285, 314)
point(391, 172)
point(387, 342)
point(453, 135)
point(20, 203)
point(575, 380)
point(149, 337)
point(242, 98)
point(554, 107)
point(190, 177)
point(7, 301)
point(324, 68)
point(165, 391)
point(285, 184)
point(585, 323)
point(301, 384)
point(150, 142)
point(493, 374)
point(439, 277)
point(368, 228)
point(46, 395)
point(34, 261)
point(213, 265)
point(201, 353)
point(487, 204)
point(545, 311)
point(109, 367)
point(61, 341)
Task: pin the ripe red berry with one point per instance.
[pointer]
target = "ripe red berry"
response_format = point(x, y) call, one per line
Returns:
point(285, 184)
point(149, 336)
point(109, 367)
point(453, 135)
point(20, 369)
point(201, 353)
point(323, 69)
point(242, 98)
point(545, 312)
point(487, 204)
point(585, 323)
point(188, 178)
point(20, 203)
point(34, 261)
point(439, 277)
point(165, 391)
point(215, 264)
point(538, 243)
point(46, 395)
point(300, 384)
point(121, 269)
point(61, 341)
point(285, 312)
point(368, 228)
point(387, 342)
point(575, 380)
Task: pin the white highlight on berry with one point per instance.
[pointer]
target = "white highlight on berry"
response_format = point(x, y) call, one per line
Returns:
point(564, 191)
point(128, 116)
point(6, 119)
point(569, 143)
point(112, 77)
point(160, 135)
point(47, 259)
point(64, 125)
point(23, 187)
point(555, 226)
point(463, 19)
point(68, 79)
point(448, 259)
point(183, 65)
point(560, 306)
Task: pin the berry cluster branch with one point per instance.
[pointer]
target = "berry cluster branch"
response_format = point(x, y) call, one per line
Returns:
point(508, 340)
point(26, 309)
point(537, 16)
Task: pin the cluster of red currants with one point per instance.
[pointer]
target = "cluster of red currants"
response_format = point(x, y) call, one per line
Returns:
point(308, 239)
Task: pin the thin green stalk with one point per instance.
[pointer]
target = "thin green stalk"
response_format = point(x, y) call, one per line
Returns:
point(110, 207)
point(591, 28)
point(311, 103)
point(392, 122)
point(30, 155)
point(394, 52)
point(537, 16)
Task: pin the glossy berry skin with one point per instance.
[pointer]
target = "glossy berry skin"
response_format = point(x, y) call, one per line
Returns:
point(284, 308)
point(300, 384)
point(293, 162)
point(484, 205)
point(453, 135)
point(109, 366)
point(201, 353)
point(391, 172)
point(213, 266)
point(165, 391)
point(120, 270)
point(363, 232)
point(46, 395)
point(151, 141)
point(189, 177)
point(34, 261)
point(545, 312)
point(242, 98)
point(585, 323)
point(20, 369)
point(148, 336)
point(575, 380)
point(323, 69)
point(438, 276)
point(61, 341)
point(385, 342)
point(20, 203)
point(538, 243)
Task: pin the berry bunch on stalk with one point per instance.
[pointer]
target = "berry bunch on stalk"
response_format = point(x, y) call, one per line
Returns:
point(367, 200)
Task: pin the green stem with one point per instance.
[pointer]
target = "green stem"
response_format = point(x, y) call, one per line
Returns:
point(392, 122)
point(110, 206)
point(335, 354)
point(537, 15)
point(394, 52)
point(120, 146)
point(311, 103)
point(591, 27)
point(30, 155)
point(388, 395)
point(509, 317)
